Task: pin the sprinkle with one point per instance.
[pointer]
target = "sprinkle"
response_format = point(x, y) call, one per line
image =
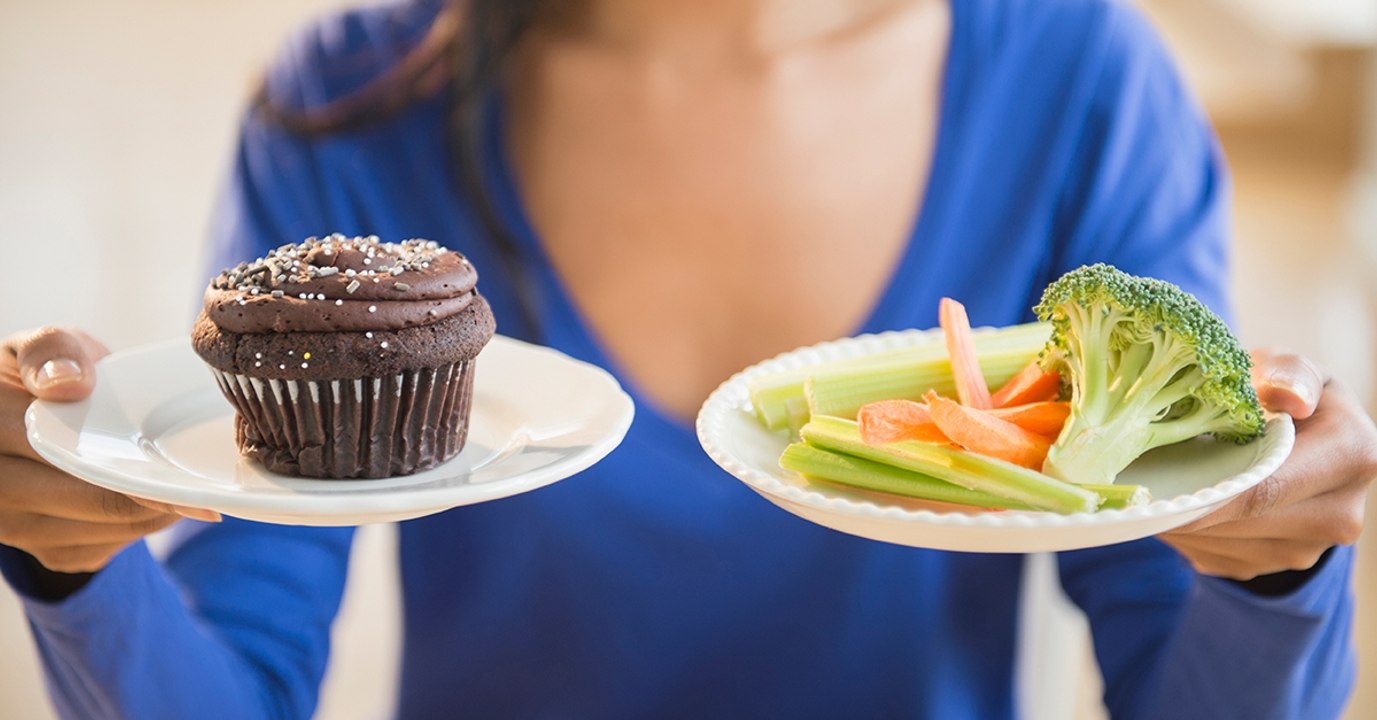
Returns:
point(351, 272)
point(367, 261)
point(353, 285)
point(276, 293)
point(372, 308)
point(368, 335)
point(339, 302)
point(305, 356)
point(301, 295)
point(258, 356)
point(402, 286)
point(431, 312)
point(384, 343)
point(291, 352)
point(258, 364)
point(305, 365)
point(397, 270)
point(327, 271)
point(281, 367)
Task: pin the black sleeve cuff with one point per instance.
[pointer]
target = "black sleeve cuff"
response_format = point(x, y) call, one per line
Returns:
point(31, 579)
point(1283, 583)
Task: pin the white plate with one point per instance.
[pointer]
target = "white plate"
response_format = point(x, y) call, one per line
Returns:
point(157, 427)
point(1187, 480)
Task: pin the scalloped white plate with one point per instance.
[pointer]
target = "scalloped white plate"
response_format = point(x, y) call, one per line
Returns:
point(157, 427)
point(1187, 480)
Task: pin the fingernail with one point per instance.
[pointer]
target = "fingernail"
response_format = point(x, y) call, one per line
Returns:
point(198, 514)
point(1286, 381)
point(57, 372)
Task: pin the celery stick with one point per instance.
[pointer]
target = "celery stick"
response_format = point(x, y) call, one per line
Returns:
point(835, 467)
point(968, 470)
point(798, 415)
point(843, 395)
point(857, 472)
point(1118, 497)
point(770, 394)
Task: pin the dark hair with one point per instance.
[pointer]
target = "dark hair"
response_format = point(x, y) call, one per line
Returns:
point(465, 48)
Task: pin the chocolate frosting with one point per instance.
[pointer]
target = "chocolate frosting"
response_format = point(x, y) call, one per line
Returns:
point(342, 284)
point(345, 355)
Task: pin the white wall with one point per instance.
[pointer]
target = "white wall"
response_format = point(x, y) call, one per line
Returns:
point(116, 121)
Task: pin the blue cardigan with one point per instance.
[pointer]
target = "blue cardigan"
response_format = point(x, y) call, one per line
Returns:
point(655, 586)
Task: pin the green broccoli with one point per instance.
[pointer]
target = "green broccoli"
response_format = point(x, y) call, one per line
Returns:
point(1147, 364)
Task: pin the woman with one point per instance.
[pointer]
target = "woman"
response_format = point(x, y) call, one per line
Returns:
point(674, 190)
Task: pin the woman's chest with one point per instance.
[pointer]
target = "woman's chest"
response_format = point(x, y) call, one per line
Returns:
point(698, 226)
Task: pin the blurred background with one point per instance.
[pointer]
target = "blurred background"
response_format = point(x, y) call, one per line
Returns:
point(117, 127)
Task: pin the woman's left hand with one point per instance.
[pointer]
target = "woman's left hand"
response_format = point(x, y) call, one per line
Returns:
point(1313, 502)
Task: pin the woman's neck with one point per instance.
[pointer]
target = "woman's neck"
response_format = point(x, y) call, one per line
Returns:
point(719, 29)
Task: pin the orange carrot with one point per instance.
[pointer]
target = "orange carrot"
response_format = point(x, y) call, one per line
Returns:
point(1031, 384)
point(965, 366)
point(980, 432)
point(887, 421)
point(1043, 418)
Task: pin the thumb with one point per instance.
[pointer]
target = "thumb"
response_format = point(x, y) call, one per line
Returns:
point(1288, 382)
point(57, 364)
point(187, 512)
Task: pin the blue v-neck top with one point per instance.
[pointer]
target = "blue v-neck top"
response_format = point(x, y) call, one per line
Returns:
point(654, 585)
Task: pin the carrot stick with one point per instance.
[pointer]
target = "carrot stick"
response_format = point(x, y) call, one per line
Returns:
point(965, 366)
point(1043, 418)
point(980, 432)
point(889, 421)
point(1031, 384)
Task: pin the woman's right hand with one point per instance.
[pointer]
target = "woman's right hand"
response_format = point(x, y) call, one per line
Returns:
point(67, 524)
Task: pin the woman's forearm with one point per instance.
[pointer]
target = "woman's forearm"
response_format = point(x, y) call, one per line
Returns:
point(223, 629)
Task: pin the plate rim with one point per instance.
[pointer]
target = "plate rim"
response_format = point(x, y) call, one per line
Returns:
point(345, 504)
point(733, 392)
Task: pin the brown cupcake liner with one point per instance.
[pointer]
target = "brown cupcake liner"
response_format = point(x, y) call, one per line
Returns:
point(365, 428)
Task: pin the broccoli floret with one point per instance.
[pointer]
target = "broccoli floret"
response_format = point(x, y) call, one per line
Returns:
point(1147, 365)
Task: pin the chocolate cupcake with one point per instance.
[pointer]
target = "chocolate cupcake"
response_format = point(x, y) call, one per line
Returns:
point(347, 358)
